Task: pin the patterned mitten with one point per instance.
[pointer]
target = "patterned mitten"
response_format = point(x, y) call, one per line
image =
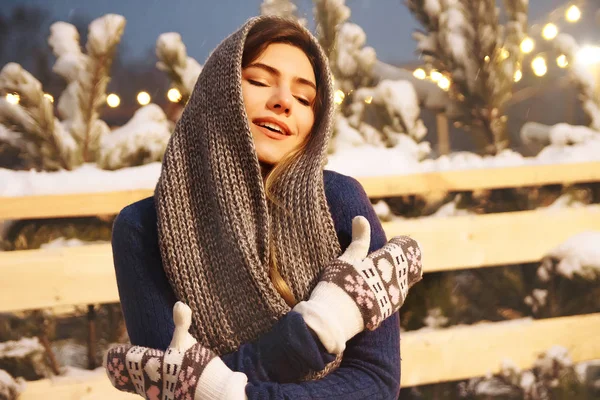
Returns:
point(358, 291)
point(185, 371)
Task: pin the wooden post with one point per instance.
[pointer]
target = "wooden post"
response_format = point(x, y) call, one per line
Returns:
point(91, 317)
point(443, 133)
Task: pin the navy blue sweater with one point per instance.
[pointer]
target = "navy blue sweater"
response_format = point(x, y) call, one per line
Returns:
point(371, 364)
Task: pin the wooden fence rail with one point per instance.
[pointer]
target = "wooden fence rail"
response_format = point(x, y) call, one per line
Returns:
point(84, 275)
point(88, 204)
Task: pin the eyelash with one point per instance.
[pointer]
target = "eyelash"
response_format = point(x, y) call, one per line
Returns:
point(260, 84)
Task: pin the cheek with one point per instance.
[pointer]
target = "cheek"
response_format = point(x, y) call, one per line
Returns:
point(306, 121)
point(251, 98)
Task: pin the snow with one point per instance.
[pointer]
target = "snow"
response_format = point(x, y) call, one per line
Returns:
point(148, 131)
point(104, 31)
point(400, 99)
point(63, 242)
point(579, 255)
point(432, 8)
point(9, 386)
point(403, 159)
point(435, 319)
point(20, 348)
point(169, 46)
point(64, 38)
point(86, 179)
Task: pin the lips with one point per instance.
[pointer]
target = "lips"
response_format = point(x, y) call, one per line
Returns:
point(273, 126)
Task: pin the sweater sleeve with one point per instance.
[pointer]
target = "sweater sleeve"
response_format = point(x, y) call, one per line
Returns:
point(286, 353)
point(370, 368)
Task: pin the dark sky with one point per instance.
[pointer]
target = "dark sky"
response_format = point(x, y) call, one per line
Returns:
point(204, 23)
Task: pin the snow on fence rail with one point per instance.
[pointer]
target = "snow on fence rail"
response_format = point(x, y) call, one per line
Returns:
point(85, 275)
point(104, 203)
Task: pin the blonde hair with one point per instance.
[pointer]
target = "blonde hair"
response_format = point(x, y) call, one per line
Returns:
point(271, 181)
point(258, 39)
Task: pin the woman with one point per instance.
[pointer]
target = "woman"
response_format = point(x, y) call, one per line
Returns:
point(243, 222)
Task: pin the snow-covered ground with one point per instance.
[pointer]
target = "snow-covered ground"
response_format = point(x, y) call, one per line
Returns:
point(359, 161)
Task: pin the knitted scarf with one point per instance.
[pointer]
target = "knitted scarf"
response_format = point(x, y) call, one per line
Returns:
point(216, 227)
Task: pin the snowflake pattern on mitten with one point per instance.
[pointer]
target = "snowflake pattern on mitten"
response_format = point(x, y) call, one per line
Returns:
point(379, 284)
point(152, 374)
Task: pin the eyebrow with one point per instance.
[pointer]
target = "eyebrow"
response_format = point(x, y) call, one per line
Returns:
point(276, 72)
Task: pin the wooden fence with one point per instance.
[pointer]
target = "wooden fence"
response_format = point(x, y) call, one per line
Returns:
point(35, 279)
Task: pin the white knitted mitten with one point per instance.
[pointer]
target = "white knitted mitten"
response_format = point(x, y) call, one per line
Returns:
point(185, 371)
point(358, 291)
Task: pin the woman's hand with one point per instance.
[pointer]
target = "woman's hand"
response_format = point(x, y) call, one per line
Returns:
point(358, 291)
point(174, 374)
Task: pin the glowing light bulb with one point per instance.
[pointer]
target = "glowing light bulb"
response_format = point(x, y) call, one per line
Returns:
point(588, 55)
point(504, 54)
point(527, 45)
point(550, 31)
point(49, 97)
point(573, 14)
point(369, 99)
point(518, 75)
point(436, 75)
point(13, 98)
point(444, 83)
point(562, 61)
point(420, 73)
point(174, 95)
point(338, 97)
point(113, 100)
point(143, 98)
point(539, 66)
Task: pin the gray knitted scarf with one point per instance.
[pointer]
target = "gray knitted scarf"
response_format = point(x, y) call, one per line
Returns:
point(215, 225)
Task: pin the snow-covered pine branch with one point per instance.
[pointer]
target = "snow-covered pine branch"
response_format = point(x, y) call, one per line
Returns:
point(465, 42)
point(172, 59)
point(10, 387)
point(140, 141)
point(582, 77)
point(352, 62)
point(329, 16)
point(281, 8)
point(34, 129)
point(396, 110)
point(87, 76)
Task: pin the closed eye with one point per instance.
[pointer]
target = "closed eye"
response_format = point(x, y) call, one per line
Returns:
point(256, 83)
point(303, 101)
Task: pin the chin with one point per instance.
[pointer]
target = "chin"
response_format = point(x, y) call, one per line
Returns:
point(268, 159)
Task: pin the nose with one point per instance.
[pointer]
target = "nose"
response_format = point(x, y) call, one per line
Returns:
point(281, 101)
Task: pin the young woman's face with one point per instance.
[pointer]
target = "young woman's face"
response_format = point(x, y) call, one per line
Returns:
point(279, 89)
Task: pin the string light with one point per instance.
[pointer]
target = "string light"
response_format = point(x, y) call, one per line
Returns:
point(573, 14)
point(13, 98)
point(113, 100)
point(143, 98)
point(539, 66)
point(588, 55)
point(174, 95)
point(444, 83)
point(420, 73)
point(562, 61)
point(369, 99)
point(504, 54)
point(527, 45)
point(338, 97)
point(518, 75)
point(49, 97)
point(550, 31)
point(436, 75)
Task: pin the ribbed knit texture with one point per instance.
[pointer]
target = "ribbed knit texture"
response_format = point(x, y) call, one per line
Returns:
point(285, 354)
point(213, 216)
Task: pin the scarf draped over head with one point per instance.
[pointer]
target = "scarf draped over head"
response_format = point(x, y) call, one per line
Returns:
point(217, 229)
